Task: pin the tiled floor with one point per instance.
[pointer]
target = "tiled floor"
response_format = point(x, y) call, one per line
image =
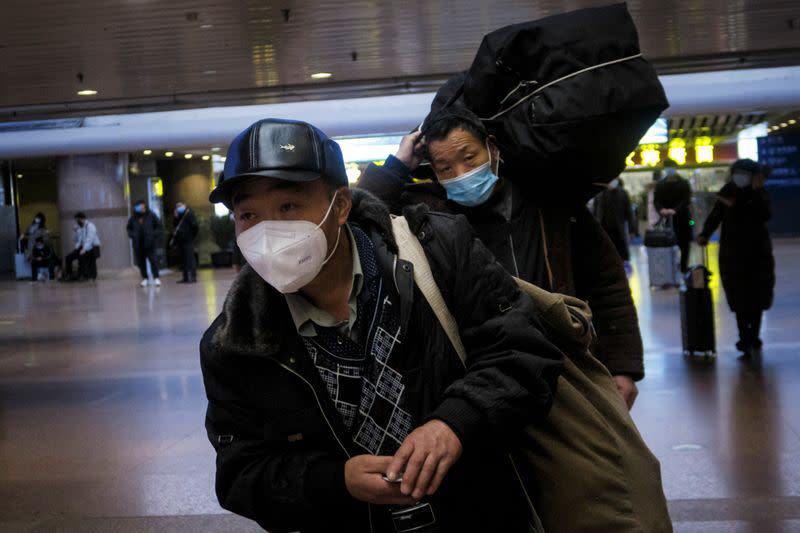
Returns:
point(101, 409)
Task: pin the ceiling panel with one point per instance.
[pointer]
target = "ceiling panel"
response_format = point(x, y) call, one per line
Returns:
point(148, 54)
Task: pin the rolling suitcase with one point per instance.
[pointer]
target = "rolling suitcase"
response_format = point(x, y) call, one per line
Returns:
point(663, 255)
point(22, 268)
point(697, 312)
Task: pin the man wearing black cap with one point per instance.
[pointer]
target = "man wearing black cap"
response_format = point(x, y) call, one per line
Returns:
point(329, 377)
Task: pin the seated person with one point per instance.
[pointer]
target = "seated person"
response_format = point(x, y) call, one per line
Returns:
point(86, 251)
point(42, 261)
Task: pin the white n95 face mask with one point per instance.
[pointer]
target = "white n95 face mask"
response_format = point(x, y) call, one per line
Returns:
point(287, 254)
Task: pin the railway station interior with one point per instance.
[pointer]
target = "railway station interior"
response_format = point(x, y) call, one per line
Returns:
point(103, 104)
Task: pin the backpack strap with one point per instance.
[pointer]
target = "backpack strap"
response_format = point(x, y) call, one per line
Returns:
point(409, 249)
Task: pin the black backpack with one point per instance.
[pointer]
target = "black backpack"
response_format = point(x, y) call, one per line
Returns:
point(568, 97)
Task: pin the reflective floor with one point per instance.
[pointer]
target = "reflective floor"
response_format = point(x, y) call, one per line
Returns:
point(101, 409)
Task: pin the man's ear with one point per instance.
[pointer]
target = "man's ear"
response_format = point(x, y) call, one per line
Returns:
point(342, 204)
point(494, 149)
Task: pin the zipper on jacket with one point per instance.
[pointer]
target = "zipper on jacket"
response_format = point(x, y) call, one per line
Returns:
point(513, 254)
point(328, 422)
point(319, 404)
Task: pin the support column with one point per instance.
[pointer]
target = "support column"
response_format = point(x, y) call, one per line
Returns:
point(96, 184)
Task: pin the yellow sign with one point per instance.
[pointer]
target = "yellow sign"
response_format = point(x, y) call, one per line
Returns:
point(629, 160)
point(677, 151)
point(651, 155)
point(703, 150)
point(158, 187)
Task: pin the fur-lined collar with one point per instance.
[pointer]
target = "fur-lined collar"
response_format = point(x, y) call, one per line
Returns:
point(254, 319)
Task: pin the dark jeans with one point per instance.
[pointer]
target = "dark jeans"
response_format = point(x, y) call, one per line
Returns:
point(49, 264)
point(188, 262)
point(142, 256)
point(87, 264)
point(749, 328)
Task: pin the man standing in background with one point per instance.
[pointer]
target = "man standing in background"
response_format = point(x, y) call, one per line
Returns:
point(184, 235)
point(672, 199)
point(144, 230)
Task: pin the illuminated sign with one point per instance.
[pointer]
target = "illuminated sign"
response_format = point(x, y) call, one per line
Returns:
point(158, 187)
point(677, 151)
point(703, 150)
point(629, 160)
point(651, 155)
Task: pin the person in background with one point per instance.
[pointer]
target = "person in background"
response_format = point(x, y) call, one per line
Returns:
point(560, 248)
point(144, 230)
point(672, 198)
point(42, 260)
point(37, 228)
point(612, 209)
point(746, 263)
point(86, 250)
point(184, 235)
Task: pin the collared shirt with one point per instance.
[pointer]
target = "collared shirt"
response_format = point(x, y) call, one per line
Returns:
point(305, 314)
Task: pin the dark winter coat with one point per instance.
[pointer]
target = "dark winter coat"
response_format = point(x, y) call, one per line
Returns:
point(281, 444)
point(746, 264)
point(144, 230)
point(186, 227)
point(561, 249)
point(612, 209)
point(674, 192)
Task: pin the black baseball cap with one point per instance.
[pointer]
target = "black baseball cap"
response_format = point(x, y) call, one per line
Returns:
point(284, 149)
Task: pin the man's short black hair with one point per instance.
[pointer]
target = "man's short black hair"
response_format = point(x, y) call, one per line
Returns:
point(138, 202)
point(441, 124)
point(39, 239)
point(670, 163)
point(81, 215)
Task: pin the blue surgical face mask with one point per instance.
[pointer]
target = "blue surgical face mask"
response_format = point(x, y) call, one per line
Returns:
point(474, 187)
point(181, 210)
point(138, 208)
point(670, 171)
point(742, 179)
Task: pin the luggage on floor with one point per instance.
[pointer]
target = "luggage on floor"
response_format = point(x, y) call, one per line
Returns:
point(22, 267)
point(664, 266)
point(663, 254)
point(697, 313)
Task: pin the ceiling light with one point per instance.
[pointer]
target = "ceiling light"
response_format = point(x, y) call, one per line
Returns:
point(321, 75)
point(206, 157)
point(187, 156)
point(792, 121)
point(19, 176)
point(87, 92)
point(168, 154)
point(783, 124)
point(147, 152)
point(216, 149)
point(206, 26)
point(209, 72)
point(223, 158)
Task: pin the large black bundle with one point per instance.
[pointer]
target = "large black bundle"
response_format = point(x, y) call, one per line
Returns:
point(568, 96)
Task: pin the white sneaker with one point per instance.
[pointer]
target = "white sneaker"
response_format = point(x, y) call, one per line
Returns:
point(157, 282)
point(143, 283)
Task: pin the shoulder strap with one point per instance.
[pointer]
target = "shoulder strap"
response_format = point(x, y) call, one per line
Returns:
point(409, 249)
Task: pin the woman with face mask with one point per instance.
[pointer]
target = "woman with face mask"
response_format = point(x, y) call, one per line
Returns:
point(37, 228)
point(746, 264)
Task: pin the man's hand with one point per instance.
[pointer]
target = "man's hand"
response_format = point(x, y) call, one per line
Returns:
point(424, 458)
point(627, 389)
point(667, 212)
point(363, 476)
point(82, 252)
point(702, 240)
point(410, 151)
